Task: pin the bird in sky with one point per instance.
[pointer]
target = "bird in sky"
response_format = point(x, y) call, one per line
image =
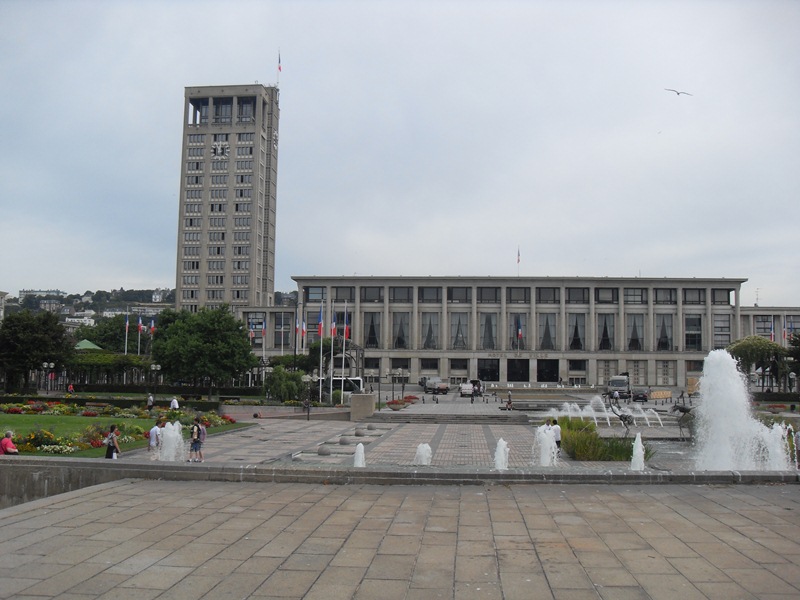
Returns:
point(677, 92)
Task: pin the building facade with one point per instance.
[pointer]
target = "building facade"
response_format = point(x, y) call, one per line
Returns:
point(228, 197)
point(577, 331)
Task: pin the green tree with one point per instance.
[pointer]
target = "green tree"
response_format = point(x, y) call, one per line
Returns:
point(26, 341)
point(284, 385)
point(761, 353)
point(210, 347)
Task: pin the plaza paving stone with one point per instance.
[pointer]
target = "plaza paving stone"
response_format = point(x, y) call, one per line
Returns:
point(138, 538)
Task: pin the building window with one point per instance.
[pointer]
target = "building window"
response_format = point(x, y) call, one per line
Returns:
point(216, 222)
point(577, 365)
point(459, 331)
point(219, 165)
point(215, 294)
point(430, 295)
point(577, 295)
point(191, 265)
point(216, 265)
point(216, 280)
point(459, 294)
point(429, 332)
point(216, 250)
point(192, 222)
point(239, 294)
point(244, 151)
point(191, 236)
point(664, 333)
point(606, 295)
point(429, 364)
point(635, 295)
point(693, 332)
point(488, 330)
point(372, 293)
point(223, 108)
point(241, 250)
point(518, 295)
point(605, 332)
point(344, 294)
point(459, 364)
point(194, 180)
point(372, 329)
point(576, 330)
point(694, 296)
point(488, 295)
point(191, 250)
point(764, 326)
point(666, 296)
point(400, 294)
point(518, 325)
point(694, 366)
point(548, 295)
point(240, 265)
point(314, 294)
point(189, 294)
point(721, 297)
point(547, 331)
point(400, 330)
point(634, 332)
point(219, 180)
point(216, 236)
point(722, 331)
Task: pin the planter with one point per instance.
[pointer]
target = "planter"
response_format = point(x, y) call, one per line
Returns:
point(396, 406)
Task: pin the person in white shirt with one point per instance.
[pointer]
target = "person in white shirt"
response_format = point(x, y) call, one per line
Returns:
point(174, 404)
point(155, 436)
point(557, 434)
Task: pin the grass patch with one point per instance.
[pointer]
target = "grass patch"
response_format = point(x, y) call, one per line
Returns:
point(579, 439)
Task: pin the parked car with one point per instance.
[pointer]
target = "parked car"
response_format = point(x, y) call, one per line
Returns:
point(434, 385)
point(640, 394)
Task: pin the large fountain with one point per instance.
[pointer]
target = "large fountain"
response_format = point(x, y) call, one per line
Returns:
point(727, 436)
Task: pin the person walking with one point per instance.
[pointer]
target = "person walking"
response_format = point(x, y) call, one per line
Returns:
point(112, 443)
point(150, 401)
point(557, 434)
point(173, 405)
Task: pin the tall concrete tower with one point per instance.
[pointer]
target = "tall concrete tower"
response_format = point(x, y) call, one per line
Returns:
point(226, 222)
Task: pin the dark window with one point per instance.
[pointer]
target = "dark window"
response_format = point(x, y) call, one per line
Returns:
point(635, 295)
point(693, 332)
point(372, 294)
point(459, 364)
point(692, 296)
point(429, 294)
point(577, 295)
point(459, 294)
point(721, 297)
point(518, 295)
point(489, 295)
point(400, 294)
point(344, 294)
point(694, 366)
point(666, 296)
point(429, 364)
point(548, 295)
point(314, 294)
point(606, 295)
point(577, 365)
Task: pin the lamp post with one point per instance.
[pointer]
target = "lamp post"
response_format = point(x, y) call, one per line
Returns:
point(307, 403)
point(267, 377)
point(154, 369)
point(792, 377)
point(47, 367)
point(401, 374)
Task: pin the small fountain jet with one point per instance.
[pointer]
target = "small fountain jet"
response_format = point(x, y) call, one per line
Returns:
point(677, 92)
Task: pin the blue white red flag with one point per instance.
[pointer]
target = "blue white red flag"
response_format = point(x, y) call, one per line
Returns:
point(126, 323)
point(140, 325)
point(152, 326)
point(320, 324)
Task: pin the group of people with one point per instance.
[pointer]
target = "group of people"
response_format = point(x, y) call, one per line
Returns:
point(552, 425)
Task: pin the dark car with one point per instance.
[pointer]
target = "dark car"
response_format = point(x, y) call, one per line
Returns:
point(640, 395)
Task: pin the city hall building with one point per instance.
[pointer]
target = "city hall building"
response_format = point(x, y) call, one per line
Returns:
point(573, 330)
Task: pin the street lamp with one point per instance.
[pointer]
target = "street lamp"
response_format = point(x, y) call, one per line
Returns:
point(154, 369)
point(792, 377)
point(47, 367)
point(267, 375)
point(307, 380)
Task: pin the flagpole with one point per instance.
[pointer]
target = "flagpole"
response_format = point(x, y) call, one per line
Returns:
point(320, 331)
point(344, 345)
point(333, 332)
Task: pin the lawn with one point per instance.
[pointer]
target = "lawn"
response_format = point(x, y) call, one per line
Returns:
point(67, 426)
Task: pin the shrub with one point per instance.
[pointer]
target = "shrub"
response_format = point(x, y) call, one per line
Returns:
point(580, 440)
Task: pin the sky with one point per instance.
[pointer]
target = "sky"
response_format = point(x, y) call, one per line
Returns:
point(416, 137)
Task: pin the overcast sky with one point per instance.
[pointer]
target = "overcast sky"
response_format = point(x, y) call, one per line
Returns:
point(416, 138)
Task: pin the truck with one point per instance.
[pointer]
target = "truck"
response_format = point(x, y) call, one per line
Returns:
point(434, 385)
point(621, 384)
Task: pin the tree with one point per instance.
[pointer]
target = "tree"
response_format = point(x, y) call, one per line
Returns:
point(210, 347)
point(758, 351)
point(26, 341)
point(284, 385)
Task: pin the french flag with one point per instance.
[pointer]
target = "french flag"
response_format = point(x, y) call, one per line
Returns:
point(140, 325)
point(303, 331)
point(346, 323)
point(126, 323)
point(252, 332)
point(320, 324)
point(152, 326)
point(772, 331)
point(519, 329)
point(263, 329)
point(333, 324)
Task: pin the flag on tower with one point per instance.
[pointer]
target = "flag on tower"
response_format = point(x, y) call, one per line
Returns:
point(279, 62)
